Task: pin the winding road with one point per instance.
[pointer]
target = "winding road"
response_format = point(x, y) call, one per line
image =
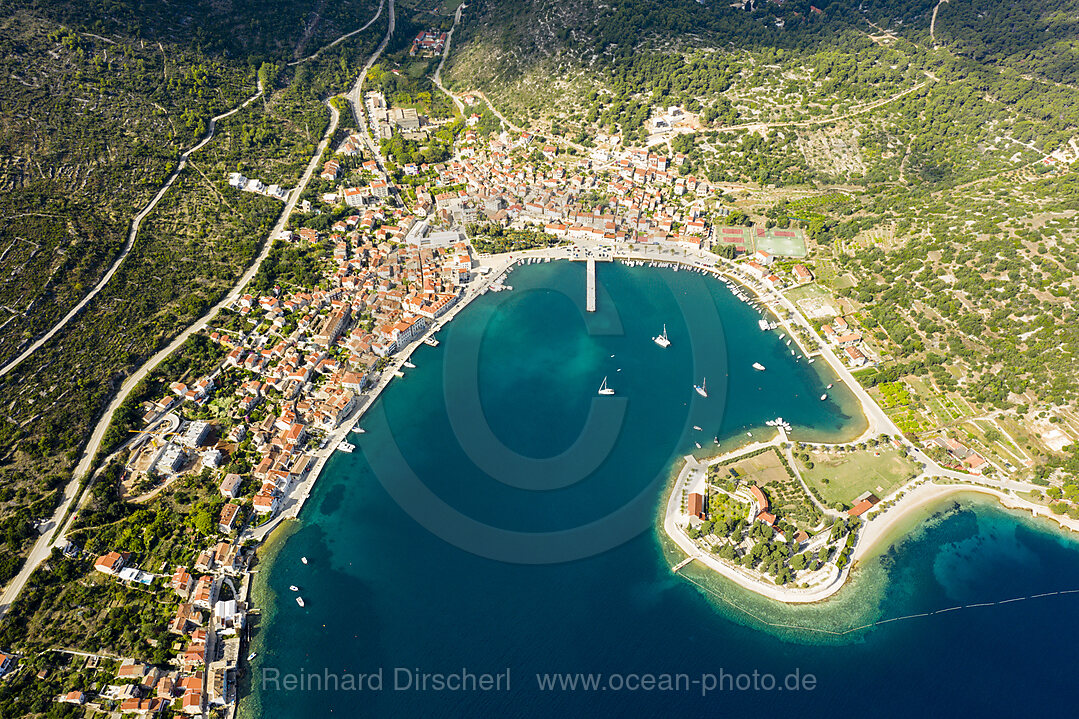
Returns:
point(355, 95)
point(44, 545)
point(437, 77)
point(136, 223)
point(344, 37)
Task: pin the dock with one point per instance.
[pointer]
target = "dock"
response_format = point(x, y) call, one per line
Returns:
point(682, 564)
point(590, 300)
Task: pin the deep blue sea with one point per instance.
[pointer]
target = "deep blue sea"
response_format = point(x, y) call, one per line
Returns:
point(498, 516)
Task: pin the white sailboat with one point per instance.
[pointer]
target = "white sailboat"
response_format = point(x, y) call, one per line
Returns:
point(604, 389)
point(702, 388)
point(662, 340)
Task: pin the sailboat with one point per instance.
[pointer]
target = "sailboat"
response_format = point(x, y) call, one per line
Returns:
point(662, 340)
point(604, 389)
point(758, 366)
point(702, 388)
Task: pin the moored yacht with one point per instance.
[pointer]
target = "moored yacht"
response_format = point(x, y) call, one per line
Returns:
point(662, 340)
point(604, 389)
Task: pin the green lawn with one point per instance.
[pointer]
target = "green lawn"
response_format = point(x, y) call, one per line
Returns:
point(849, 474)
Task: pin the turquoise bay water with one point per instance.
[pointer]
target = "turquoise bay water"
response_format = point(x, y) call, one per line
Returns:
point(499, 515)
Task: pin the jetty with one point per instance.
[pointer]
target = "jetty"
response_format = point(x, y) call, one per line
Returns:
point(682, 564)
point(590, 299)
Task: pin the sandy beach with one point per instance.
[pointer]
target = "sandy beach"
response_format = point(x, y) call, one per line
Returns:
point(886, 527)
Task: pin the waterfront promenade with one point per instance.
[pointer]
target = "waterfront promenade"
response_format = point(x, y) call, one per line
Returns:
point(494, 267)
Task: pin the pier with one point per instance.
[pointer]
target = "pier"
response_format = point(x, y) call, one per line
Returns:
point(681, 564)
point(590, 300)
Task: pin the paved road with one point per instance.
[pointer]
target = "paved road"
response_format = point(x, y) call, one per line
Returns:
point(136, 223)
point(43, 547)
point(355, 95)
point(445, 53)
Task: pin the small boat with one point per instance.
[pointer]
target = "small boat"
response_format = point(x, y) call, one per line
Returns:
point(303, 559)
point(409, 365)
point(829, 386)
point(299, 600)
point(758, 366)
point(749, 434)
point(696, 428)
point(662, 340)
point(293, 587)
point(252, 655)
point(702, 388)
point(698, 445)
point(359, 430)
point(344, 446)
point(823, 397)
point(715, 439)
point(604, 389)
point(788, 343)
